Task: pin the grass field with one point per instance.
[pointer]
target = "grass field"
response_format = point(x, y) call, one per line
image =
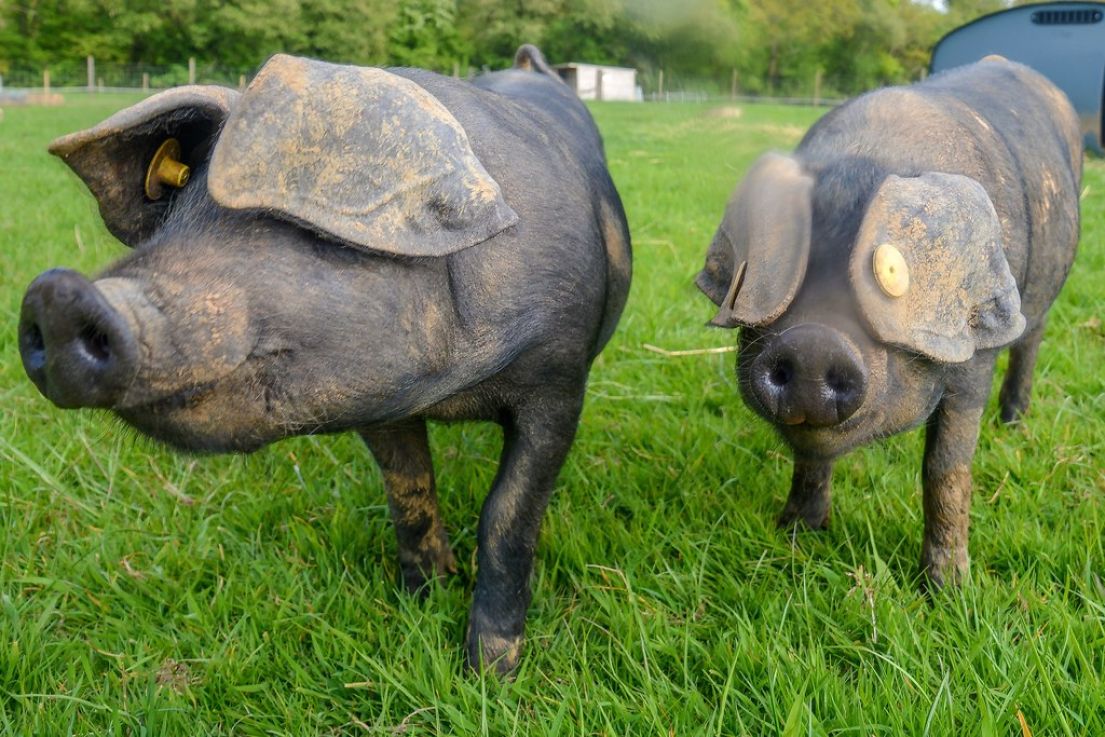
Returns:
point(147, 593)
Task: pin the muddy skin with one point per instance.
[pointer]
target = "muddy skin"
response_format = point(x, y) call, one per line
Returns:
point(876, 273)
point(403, 453)
point(473, 272)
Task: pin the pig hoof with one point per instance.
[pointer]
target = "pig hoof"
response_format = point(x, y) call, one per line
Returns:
point(1013, 405)
point(814, 519)
point(943, 568)
point(427, 568)
point(1012, 412)
point(490, 652)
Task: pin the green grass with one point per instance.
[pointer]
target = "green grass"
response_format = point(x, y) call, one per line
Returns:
point(147, 593)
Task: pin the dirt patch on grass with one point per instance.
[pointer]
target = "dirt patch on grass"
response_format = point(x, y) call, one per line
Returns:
point(730, 112)
point(175, 676)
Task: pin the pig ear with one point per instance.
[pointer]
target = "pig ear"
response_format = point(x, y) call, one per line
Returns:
point(758, 258)
point(929, 271)
point(114, 158)
point(362, 155)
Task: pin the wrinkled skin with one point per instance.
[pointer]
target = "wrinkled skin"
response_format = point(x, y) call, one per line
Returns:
point(1009, 130)
point(250, 329)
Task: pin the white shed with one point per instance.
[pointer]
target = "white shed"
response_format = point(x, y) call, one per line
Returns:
point(595, 82)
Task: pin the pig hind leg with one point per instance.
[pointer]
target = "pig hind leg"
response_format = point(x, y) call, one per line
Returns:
point(1016, 389)
point(536, 438)
point(403, 453)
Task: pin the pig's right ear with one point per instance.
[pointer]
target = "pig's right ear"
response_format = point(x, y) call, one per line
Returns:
point(758, 258)
point(116, 159)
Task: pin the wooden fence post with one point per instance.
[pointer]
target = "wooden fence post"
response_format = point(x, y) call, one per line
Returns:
point(46, 83)
point(817, 88)
point(191, 70)
point(90, 63)
point(598, 85)
point(660, 85)
point(241, 81)
point(733, 85)
point(145, 81)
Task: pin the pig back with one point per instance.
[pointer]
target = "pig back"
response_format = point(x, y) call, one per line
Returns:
point(997, 122)
point(551, 277)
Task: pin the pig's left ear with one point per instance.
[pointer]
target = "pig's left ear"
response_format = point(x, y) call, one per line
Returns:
point(929, 271)
point(361, 155)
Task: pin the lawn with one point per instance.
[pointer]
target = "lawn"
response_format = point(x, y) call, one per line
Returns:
point(148, 593)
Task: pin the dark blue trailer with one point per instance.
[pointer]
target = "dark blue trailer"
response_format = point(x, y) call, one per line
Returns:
point(1063, 41)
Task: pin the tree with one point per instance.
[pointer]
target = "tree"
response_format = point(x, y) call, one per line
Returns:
point(776, 45)
point(424, 34)
point(792, 37)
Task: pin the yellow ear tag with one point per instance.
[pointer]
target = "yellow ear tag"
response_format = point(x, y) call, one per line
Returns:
point(166, 169)
point(891, 270)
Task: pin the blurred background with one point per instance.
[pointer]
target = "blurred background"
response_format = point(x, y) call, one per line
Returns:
point(691, 48)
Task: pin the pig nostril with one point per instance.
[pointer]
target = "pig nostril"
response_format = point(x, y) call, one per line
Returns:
point(34, 348)
point(35, 341)
point(781, 374)
point(837, 381)
point(95, 343)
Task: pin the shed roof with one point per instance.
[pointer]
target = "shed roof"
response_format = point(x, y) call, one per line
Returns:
point(1057, 7)
point(1064, 41)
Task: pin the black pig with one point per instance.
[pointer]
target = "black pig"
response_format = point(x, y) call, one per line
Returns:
point(342, 248)
point(877, 272)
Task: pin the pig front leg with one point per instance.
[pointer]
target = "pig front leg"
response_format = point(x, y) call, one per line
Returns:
point(536, 440)
point(810, 500)
point(951, 436)
point(403, 453)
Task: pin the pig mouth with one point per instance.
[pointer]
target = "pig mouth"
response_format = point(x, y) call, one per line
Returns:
point(830, 440)
point(246, 376)
point(185, 398)
point(160, 418)
point(239, 412)
point(188, 421)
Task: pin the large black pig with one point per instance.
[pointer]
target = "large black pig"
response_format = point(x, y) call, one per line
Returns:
point(877, 272)
point(343, 248)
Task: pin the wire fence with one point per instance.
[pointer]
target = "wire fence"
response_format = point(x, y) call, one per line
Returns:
point(664, 85)
point(97, 76)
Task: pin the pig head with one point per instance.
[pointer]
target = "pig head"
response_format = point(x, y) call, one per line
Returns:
point(839, 353)
point(870, 276)
point(204, 333)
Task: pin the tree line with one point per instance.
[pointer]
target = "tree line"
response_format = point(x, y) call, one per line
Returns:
point(765, 46)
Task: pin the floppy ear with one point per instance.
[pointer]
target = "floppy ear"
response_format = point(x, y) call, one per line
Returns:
point(114, 157)
point(758, 258)
point(929, 270)
point(362, 155)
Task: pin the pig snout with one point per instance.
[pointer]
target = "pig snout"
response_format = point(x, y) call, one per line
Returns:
point(811, 374)
point(76, 348)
